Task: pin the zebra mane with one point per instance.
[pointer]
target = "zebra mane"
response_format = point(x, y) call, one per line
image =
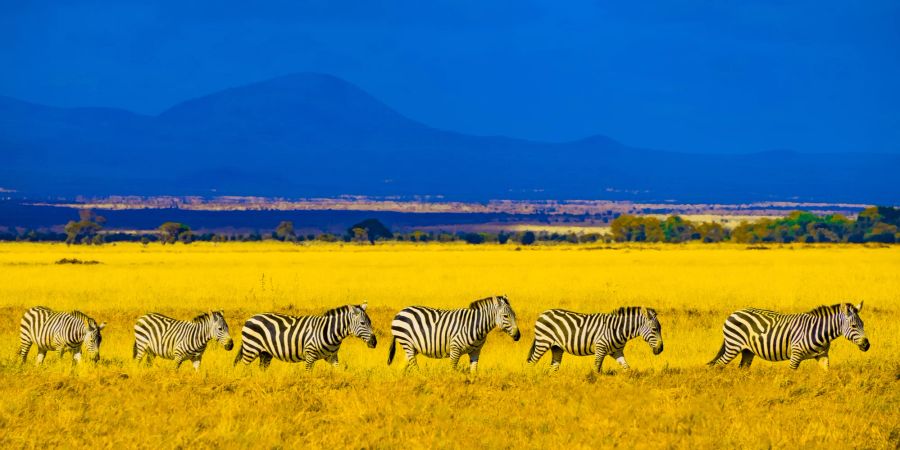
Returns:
point(826, 310)
point(339, 311)
point(477, 304)
point(83, 317)
point(625, 310)
point(202, 317)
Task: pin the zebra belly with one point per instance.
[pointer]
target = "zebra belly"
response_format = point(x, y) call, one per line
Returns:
point(769, 349)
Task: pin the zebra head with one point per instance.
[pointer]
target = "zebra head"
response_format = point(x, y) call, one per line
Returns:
point(93, 338)
point(506, 318)
point(852, 326)
point(218, 329)
point(361, 325)
point(651, 330)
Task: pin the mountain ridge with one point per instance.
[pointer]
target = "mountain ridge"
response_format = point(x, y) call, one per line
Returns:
point(310, 134)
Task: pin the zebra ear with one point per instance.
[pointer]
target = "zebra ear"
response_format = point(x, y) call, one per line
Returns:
point(644, 312)
point(101, 326)
point(859, 306)
point(364, 305)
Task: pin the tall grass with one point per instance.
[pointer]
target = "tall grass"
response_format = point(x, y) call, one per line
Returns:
point(668, 400)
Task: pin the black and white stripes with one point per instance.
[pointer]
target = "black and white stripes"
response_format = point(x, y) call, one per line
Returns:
point(159, 335)
point(305, 338)
point(778, 337)
point(438, 333)
point(600, 335)
point(59, 331)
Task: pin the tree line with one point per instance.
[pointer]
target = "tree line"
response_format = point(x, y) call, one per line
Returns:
point(875, 224)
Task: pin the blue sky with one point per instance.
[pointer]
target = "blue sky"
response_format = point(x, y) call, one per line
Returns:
point(701, 76)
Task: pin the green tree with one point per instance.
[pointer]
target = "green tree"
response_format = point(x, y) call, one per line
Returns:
point(285, 231)
point(375, 230)
point(171, 232)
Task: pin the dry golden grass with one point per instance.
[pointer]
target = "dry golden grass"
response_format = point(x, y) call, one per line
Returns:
point(672, 400)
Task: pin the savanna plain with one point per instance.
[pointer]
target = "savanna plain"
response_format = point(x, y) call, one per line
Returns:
point(669, 400)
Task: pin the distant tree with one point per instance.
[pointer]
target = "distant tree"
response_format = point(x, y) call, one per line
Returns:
point(473, 238)
point(502, 237)
point(712, 232)
point(285, 231)
point(85, 229)
point(676, 229)
point(528, 238)
point(359, 234)
point(375, 230)
point(171, 232)
point(882, 232)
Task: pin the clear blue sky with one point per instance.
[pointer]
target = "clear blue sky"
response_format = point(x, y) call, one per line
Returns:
point(704, 76)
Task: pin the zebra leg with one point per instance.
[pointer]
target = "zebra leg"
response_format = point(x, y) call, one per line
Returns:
point(454, 357)
point(599, 356)
point(24, 347)
point(728, 353)
point(796, 357)
point(264, 360)
point(473, 359)
point(619, 355)
point(746, 359)
point(538, 348)
point(76, 358)
point(310, 360)
point(332, 359)
point(823, 361)
point(557, 354)
point(411, 362)
point(40, 356)
point(138, 352)
point(196, 363)
point(179, 358)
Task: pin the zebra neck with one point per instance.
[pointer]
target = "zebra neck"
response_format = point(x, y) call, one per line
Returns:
point(830, 326)
point(625, 326)
point(336, 329)
point(206, 327)
point(484, 321)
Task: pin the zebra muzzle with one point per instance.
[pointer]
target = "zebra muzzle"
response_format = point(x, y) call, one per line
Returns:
point(864, 345)
point(229, 345)
point(372, 342)
point(658, 349)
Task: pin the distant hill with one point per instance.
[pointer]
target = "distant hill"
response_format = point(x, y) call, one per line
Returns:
point(310, 135)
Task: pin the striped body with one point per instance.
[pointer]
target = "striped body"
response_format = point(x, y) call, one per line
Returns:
point(159, 335)
point(303, 338)
point(774, 336)
point(59, 331)
point(600, 335)
point(439, 333)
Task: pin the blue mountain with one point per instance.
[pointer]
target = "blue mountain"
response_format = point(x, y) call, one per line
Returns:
point(309, 134)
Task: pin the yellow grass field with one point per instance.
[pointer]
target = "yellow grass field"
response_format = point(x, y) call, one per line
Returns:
point(670, 400)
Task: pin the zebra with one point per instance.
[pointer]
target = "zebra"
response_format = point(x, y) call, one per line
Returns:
point(304, 338)
point(62, 331)
point(778, 337)
point(438, 333)
point(600, 335)
point(159, 335)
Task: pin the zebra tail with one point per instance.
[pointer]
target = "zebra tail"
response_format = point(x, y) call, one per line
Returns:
point(240, 354)
point(134, 350)
point(392, 350)
point(718, 355)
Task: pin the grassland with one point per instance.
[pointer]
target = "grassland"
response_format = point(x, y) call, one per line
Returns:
point(671, 400)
